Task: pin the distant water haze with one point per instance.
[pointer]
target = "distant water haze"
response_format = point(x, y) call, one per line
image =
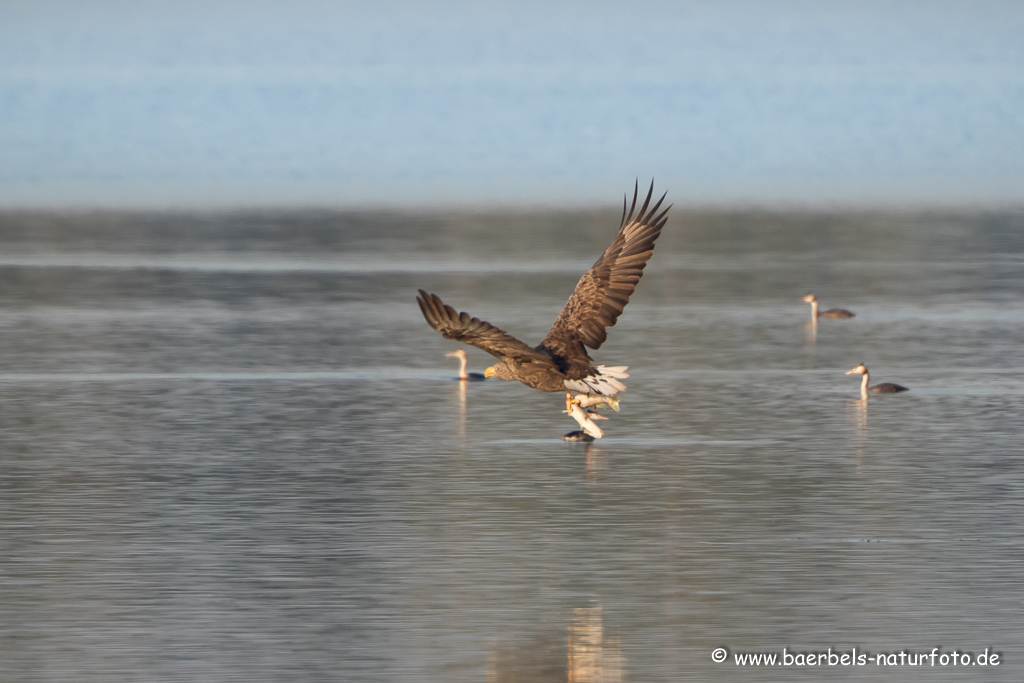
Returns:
point(267, 103)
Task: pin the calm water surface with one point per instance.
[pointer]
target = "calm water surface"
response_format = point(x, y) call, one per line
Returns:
point(231, 450)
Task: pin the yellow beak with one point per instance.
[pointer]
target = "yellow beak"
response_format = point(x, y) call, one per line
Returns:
point(489, 372)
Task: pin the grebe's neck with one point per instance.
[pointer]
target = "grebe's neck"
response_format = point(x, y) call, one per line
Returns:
point(462, 367)
point(864, 385)
point(814, 310)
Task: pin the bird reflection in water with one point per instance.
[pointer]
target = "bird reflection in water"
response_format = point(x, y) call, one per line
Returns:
point(857, 412)
point(589, 655)
point(811, 332)
point(463, 379)
point(593, 657)
point(460, 388)
point(596, 464)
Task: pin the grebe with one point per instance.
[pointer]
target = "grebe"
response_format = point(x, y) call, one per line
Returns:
point(830, 313)
point(560, 362)
point(577, 435)
point(463, 375)
point(883, 388)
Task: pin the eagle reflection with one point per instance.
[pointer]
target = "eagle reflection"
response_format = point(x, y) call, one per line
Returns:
point(586, 654)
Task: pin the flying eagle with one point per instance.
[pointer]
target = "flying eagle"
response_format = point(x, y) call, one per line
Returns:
point(560, 362)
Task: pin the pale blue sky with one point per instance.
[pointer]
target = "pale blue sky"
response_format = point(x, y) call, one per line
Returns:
point(174, 103)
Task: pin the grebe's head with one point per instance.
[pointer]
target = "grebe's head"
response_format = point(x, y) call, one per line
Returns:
point(809, 298)
point(457, 353)
point(859, 370)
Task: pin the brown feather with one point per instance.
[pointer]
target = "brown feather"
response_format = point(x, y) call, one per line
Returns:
point(465, 328)
point(604, 290)
point(596, 303)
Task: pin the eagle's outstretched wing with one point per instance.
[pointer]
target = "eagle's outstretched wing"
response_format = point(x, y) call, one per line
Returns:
point(465, 328)
point(604, 290)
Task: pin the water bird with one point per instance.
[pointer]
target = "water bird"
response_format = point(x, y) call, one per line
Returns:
point(577, 435)
point(883, 388)
point(463, 375)
point(560, 362)
point(830, 313)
